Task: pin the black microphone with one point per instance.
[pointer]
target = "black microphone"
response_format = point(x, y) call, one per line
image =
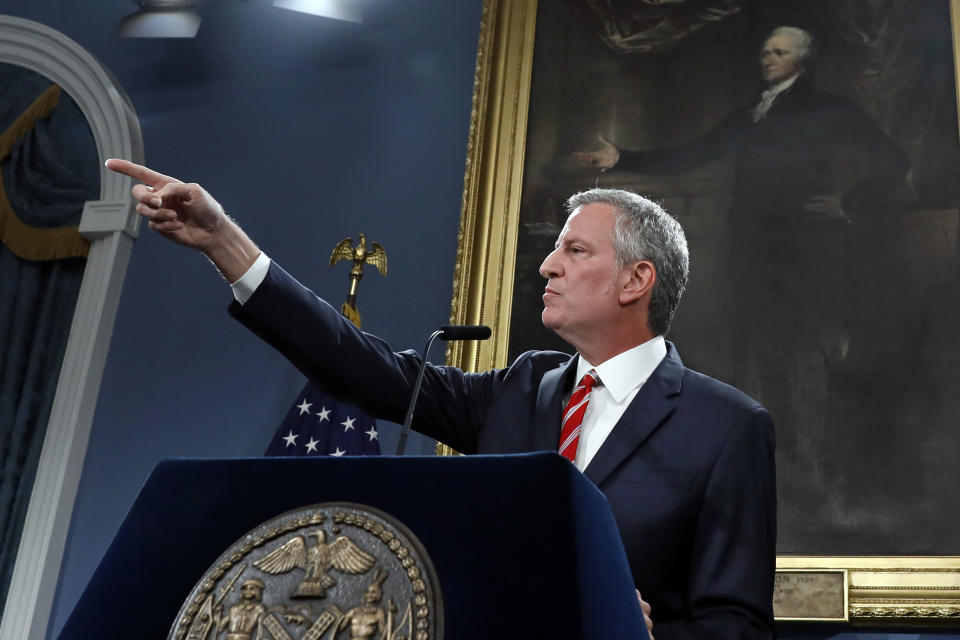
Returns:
point(464, 332)
point(446, 332)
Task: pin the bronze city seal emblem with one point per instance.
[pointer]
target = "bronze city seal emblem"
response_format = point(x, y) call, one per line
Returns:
point(332, 570)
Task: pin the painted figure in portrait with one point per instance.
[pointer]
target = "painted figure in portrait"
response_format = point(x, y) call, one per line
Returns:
point(809, 158)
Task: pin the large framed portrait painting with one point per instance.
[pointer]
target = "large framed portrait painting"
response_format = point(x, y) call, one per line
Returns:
point(822, 219)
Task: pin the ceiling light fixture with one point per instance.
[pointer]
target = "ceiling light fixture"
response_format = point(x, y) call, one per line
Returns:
point(346, 10)
point(161, 19)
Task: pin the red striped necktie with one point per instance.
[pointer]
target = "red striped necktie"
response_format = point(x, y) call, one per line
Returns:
point(573, 415)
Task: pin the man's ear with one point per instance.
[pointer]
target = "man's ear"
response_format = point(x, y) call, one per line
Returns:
point(638, 283)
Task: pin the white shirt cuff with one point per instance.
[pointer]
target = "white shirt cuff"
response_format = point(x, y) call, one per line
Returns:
point(251, 279)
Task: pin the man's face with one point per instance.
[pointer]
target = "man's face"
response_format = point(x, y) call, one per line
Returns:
point(251, 592)
point(780, 59)
point(583, 277)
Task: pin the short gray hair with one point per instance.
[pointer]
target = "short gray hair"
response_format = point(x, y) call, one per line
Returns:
point(803, 39)
point(644, 231)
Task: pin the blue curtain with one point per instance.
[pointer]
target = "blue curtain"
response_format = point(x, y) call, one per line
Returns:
point(47, 173)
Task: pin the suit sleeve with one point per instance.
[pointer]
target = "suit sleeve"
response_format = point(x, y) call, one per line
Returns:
point(362, 369)
point(733, 560)
point(724, 138)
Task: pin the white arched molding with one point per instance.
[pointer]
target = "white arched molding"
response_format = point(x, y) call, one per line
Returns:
point(111, 226)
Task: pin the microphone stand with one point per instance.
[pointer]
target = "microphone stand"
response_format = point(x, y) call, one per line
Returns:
point(446, 332)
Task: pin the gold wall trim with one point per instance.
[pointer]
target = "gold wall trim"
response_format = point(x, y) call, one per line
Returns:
point(955, 30)
point(489, 217)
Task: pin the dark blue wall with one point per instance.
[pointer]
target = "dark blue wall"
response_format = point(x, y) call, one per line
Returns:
point(308, 130)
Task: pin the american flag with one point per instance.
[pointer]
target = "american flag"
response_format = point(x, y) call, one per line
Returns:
point(319, 425)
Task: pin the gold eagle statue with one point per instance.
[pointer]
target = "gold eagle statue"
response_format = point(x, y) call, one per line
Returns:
point(359, 255)
point(342, 554)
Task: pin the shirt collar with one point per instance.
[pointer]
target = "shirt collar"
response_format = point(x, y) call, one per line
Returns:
point(780, 87)
point(626, 371)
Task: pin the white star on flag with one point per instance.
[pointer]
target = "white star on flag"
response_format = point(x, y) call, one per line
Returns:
point(317, 424)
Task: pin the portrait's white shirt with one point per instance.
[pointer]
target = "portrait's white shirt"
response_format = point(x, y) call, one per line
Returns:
point(769, 96)
point(621, 377)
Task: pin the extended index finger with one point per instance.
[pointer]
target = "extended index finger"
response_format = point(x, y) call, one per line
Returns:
point(139, 172)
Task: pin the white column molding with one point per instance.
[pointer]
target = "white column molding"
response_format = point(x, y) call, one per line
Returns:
point(101, 219)
point(111, 225)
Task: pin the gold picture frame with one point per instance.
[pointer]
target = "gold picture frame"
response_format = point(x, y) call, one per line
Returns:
point(911, 590)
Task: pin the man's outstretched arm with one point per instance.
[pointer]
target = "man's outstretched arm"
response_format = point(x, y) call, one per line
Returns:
point(188, 215)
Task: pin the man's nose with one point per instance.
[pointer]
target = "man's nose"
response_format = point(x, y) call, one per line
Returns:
point(549, 268)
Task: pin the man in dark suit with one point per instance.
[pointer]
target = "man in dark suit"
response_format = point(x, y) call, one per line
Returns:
point(686, 462)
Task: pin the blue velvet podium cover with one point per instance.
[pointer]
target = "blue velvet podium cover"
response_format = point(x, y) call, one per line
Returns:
point(523, 545)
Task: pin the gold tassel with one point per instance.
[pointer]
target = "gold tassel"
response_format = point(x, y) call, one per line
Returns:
point(40, 109)
point(28, 242)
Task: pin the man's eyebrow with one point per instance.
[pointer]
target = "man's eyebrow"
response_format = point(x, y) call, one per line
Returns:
point(568, 240)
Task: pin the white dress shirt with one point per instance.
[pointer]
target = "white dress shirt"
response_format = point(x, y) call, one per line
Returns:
point(620, 379)
point(244, 287)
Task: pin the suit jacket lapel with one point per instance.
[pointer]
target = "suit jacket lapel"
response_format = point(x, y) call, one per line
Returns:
point(652, 404)
point(546, 435)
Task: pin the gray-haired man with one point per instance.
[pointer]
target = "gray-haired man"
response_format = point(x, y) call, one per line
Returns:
point(686, 462)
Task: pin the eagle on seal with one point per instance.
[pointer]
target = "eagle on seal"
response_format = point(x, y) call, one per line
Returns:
point(342, 554)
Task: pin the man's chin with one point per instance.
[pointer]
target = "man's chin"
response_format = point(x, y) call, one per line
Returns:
point(547, 320)
point(552, 322)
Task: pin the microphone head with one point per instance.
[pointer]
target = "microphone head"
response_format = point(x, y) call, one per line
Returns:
point(464, 332)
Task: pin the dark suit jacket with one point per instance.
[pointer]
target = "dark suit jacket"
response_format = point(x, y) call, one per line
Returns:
point(688, 470)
